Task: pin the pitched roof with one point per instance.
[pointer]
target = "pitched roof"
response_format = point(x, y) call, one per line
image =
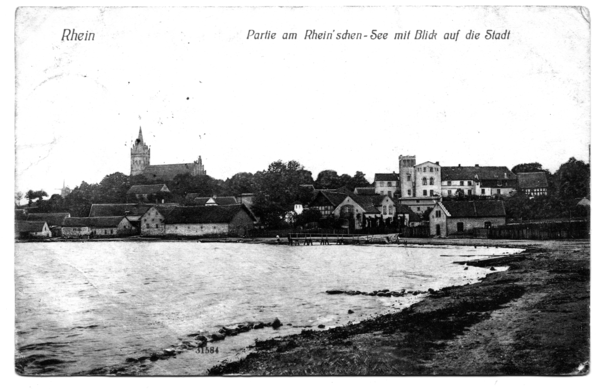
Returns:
point(461, 209)
point(368, 203)
point(224, 200)
point(147, 189)
point(203, 215)
point(118, 209)
point(453, 173)
point(29, 226)
point(167, 172)
point(53, 219)
point(367, 190)
point(386, 177)
point(334, 198)
point(94, 222)
point(532, 180)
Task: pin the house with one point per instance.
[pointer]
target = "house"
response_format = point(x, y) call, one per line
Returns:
point(145, 192)
point(357, 209)
point(326, 201)
point(365, 191)
point(110, 226)
point(533, 184)
point(32, 229)
point(55, 221)
point(298, 208)
point(461, 217)
point(386, 183)
point(198, 221)
point(213, 201)
point(99, 210)
point(246, 198)
point(478, 180)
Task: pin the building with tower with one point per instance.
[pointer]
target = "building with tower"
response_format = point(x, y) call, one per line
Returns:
point(419, 185)
point(140, 164)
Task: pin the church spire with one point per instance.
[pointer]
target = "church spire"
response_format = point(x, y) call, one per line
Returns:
point(140, 136)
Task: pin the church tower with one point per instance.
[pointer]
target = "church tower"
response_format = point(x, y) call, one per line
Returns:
point(140, 155)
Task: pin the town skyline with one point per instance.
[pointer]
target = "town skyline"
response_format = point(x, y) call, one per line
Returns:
point(198, 87)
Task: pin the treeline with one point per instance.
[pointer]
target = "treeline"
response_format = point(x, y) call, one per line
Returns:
point(276, 188)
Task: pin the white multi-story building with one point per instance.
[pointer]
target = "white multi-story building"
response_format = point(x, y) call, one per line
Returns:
point(419, 184)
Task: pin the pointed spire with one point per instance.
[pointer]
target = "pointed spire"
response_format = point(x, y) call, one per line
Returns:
point(140, 136)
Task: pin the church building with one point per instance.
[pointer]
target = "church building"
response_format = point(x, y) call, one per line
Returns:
point(140, 164)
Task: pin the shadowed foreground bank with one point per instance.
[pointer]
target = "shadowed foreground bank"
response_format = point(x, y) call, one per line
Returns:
point(530, 320)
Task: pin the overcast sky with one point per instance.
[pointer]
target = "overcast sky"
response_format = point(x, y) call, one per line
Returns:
point(197, 86)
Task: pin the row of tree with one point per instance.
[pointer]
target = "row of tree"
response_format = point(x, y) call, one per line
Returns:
point(276, 189)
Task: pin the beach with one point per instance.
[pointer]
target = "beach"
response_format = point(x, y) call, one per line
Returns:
point(533, 319)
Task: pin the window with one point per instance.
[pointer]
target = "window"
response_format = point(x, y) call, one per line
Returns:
point(469, 192)
point(487, 224)
point(460, 227)
point(418, 208)
point(449, 192)
point(424, 181)
point(438, 213)
point(431, 193)
point(424, 192)
point(390, 193)
point(498, 191)
point(147, 225)
point(448, 182)
point(157, 226)
point(431, 181)
point(385, 209)
point(482, 191)
point(430, 170)
point(408, 177)
point(462, 183)
point(469, 183)
point(409, 192)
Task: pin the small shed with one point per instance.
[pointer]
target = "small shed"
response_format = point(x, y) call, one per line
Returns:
point(229, 220)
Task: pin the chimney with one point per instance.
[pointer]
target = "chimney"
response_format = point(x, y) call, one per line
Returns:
point(476, 165)
point(437, 162)
point(459, 165)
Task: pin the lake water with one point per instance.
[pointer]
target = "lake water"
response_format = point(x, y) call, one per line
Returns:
point(84, 305)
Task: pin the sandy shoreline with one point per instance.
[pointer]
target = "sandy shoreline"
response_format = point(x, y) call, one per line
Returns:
point(530, 320)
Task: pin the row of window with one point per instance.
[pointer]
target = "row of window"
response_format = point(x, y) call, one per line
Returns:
point(462, 183)
point(382, 183)
point(431, 181)
point(470, 192)
point(431, 169)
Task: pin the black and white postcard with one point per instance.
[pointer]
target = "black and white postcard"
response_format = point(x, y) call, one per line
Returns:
point(299, 191)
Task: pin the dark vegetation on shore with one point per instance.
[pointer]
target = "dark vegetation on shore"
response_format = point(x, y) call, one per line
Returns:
point(530, 320)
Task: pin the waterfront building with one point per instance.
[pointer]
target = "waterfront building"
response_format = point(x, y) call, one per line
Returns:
point(55, 221)
point(327, 201)
point(32, 229)
point(140, 164)
point(478, 180)
point(533, 184)
point(461, 217)
point(103, 226)
point(229, 220)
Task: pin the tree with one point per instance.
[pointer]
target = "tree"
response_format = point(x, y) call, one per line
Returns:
point(527, 168)
point(308, 216)
point(573, 179)
point(35, 194)
point(18, 197)
point(328, 179)
point(277, 189)
point(240, 183)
